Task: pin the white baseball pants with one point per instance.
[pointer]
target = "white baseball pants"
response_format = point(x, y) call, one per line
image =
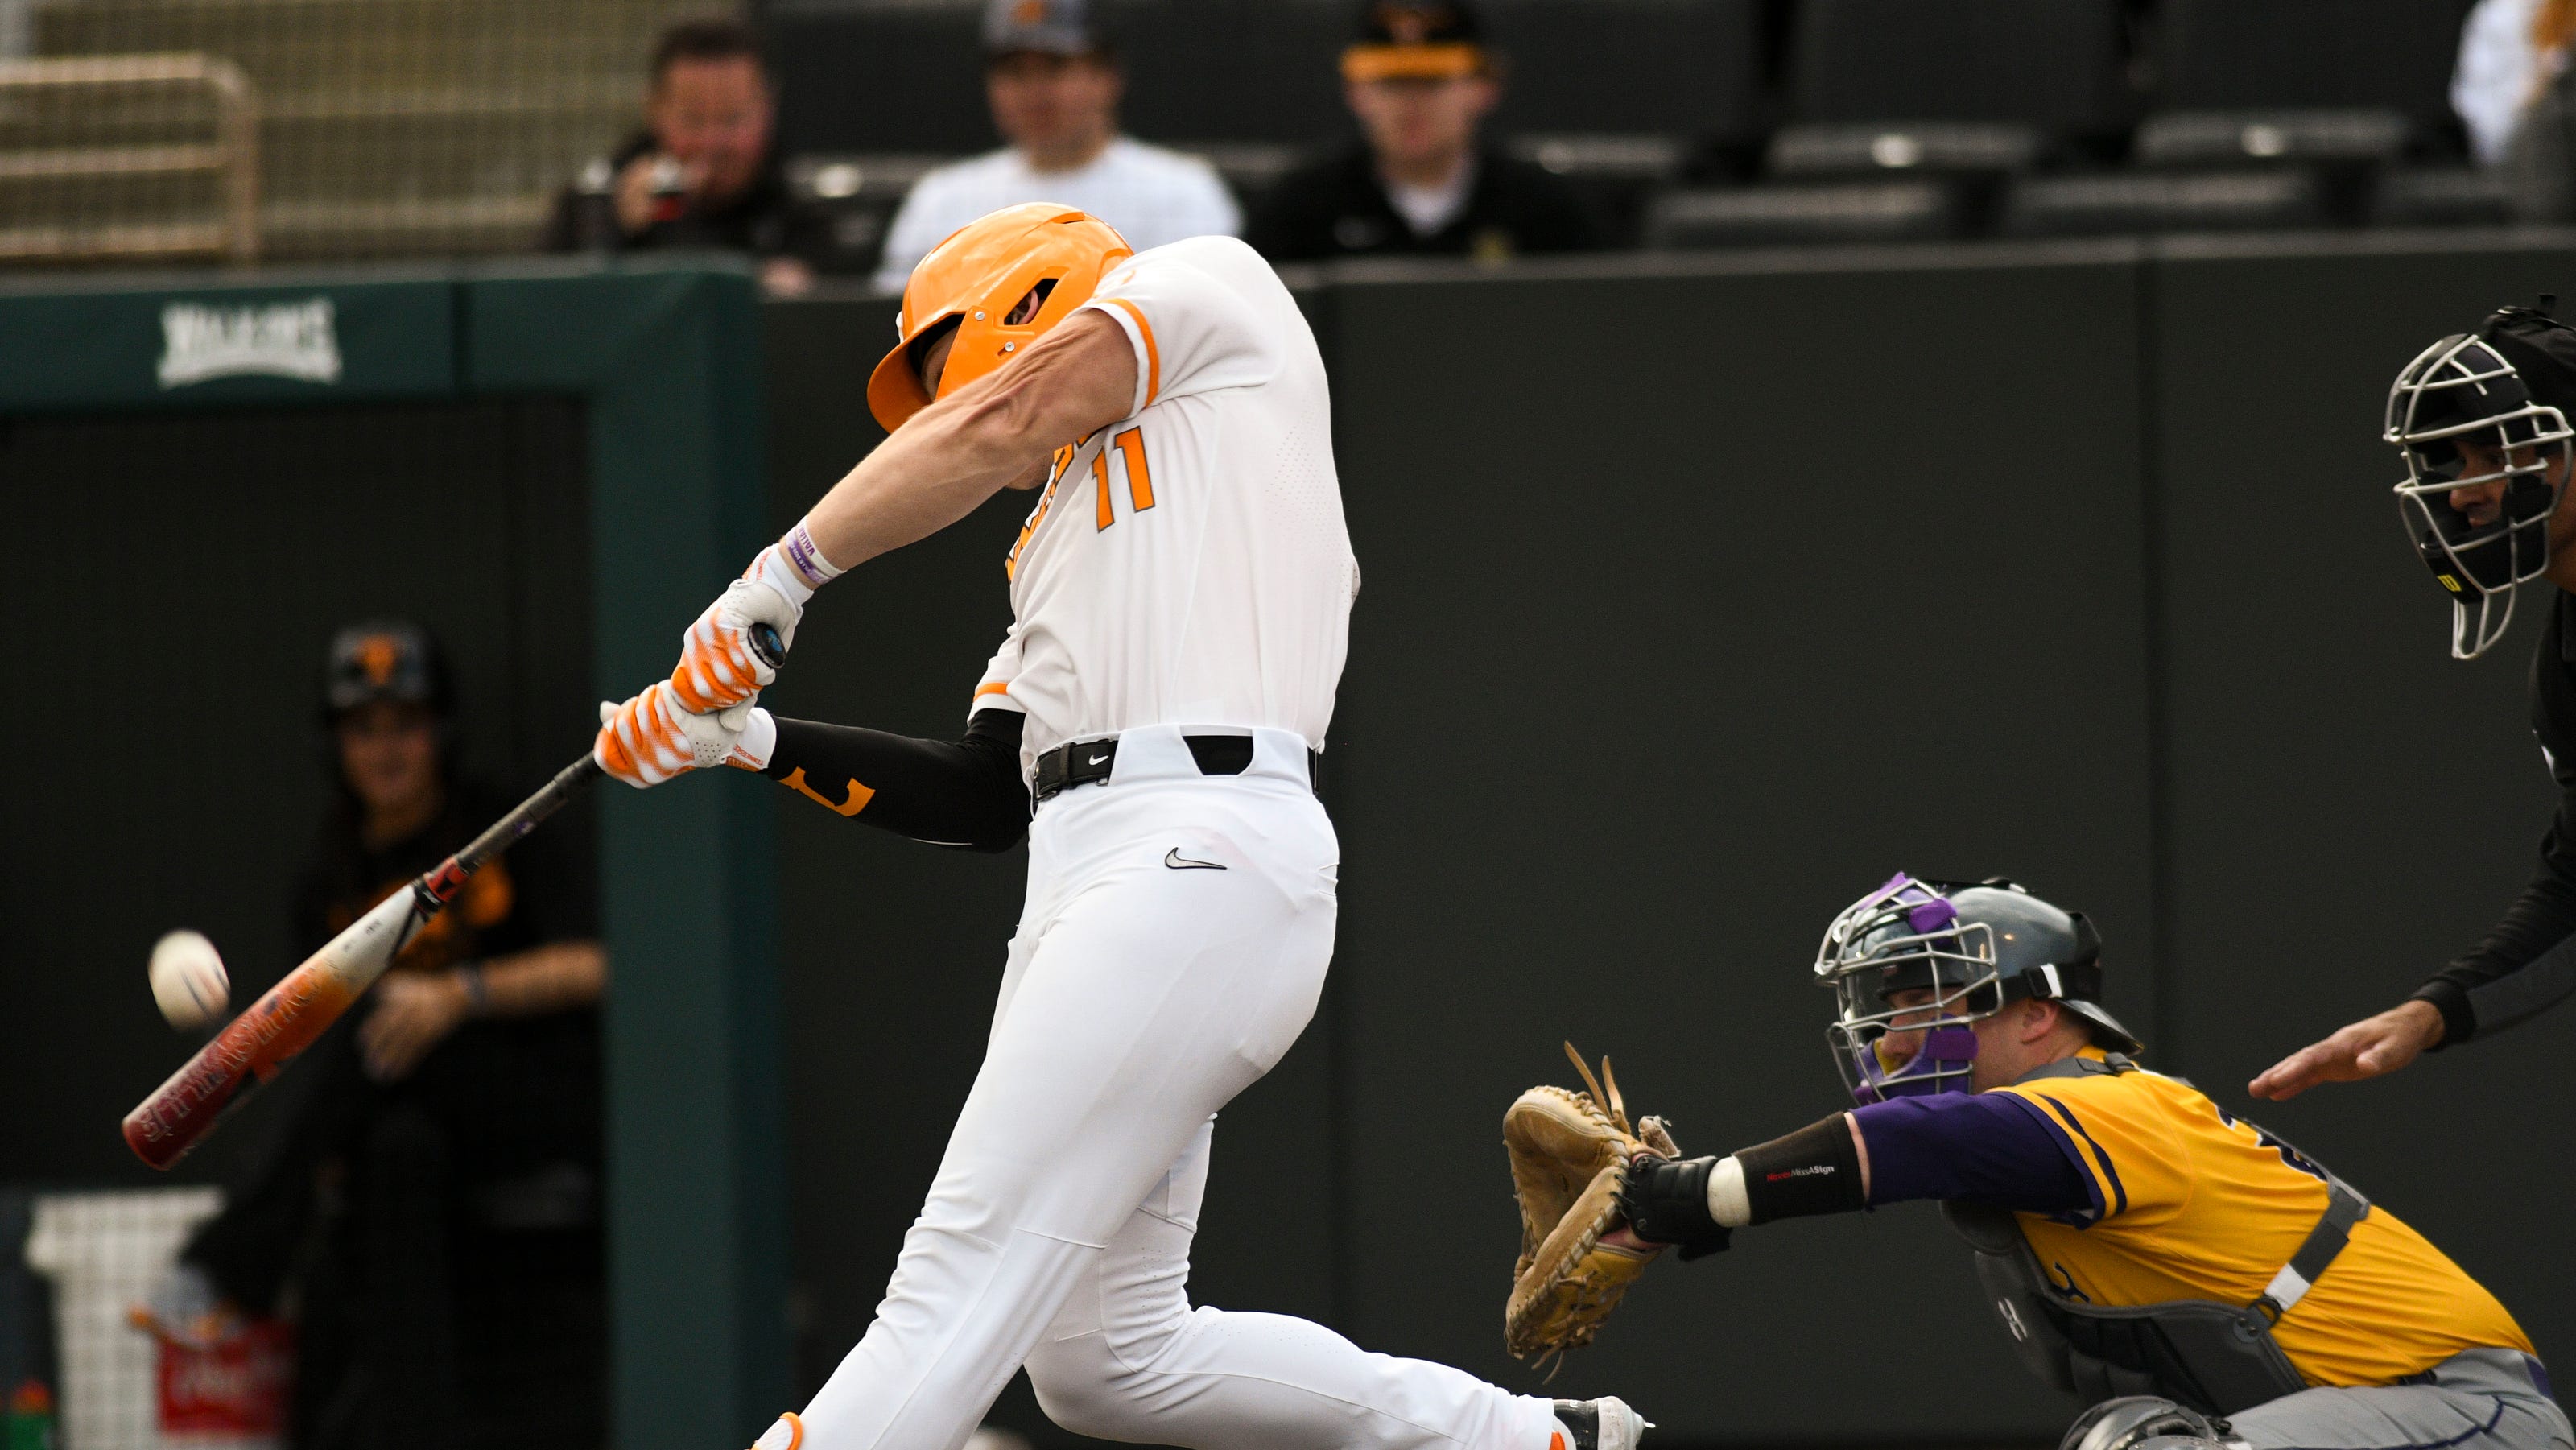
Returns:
point(1173, 945)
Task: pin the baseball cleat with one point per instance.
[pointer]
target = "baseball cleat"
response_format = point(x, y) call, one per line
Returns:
point(1603, 1424)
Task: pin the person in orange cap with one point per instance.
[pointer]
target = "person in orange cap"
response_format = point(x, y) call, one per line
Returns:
point(1421, 80)
point(1181, 599)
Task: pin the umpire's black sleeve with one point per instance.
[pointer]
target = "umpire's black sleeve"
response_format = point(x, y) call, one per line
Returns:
point(2528, 963)
point(962, 793)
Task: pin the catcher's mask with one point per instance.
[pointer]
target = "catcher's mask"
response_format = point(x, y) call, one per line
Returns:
point(1972, 949)
point(2484, 411)
point(981, 277)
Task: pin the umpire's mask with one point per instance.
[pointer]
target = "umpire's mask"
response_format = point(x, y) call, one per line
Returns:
point(2481, 419)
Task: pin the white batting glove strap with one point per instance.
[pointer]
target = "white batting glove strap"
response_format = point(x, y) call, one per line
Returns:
point(787, 1434)
point(712, 737)
point(758, 743)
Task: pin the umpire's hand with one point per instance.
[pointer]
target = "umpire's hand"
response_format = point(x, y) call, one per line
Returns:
point(2367, 1048)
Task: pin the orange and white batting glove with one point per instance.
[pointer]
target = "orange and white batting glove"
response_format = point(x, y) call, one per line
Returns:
point(787, 1434)
point(718, 668)
point(650, 739)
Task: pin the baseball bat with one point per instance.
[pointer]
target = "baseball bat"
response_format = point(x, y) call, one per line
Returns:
point(258, 1044)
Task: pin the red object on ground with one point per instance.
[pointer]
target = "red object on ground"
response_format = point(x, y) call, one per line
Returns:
point(236, 1386)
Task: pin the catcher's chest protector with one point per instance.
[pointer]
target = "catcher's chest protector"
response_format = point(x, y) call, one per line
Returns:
point(2216, 1358)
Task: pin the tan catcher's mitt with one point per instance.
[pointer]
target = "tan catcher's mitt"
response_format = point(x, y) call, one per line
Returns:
point(1570, 1155)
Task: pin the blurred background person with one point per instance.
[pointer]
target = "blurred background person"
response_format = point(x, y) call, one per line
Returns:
point(1052, 77)
point(2501, 66)
point(704, 172)
point(1421, 81)
point(429, 1206)
point(2513, 94)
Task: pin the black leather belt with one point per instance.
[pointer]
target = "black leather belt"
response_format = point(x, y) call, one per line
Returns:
point(1087, 761)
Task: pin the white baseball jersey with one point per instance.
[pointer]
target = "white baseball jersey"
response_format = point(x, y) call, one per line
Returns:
point(1189, 564)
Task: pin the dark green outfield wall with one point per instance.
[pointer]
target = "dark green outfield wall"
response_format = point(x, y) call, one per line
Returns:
point(1697, 602)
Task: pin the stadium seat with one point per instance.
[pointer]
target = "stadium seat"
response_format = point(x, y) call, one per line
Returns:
point(2441, 196)
point(1250, 168)
point(2267, 199)
point(2054, 64)
point(1233, 70)
point(859, 194)
point(1690, 69)
point(2216, 55)
point(879, 76)
point(1942, 147)
point(1910, 210)
point(2233, 138)
point(1616, 174)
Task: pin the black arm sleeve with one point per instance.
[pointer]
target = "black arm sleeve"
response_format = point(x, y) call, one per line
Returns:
point(1813, 1170)
point(963, 793)
point(2528, 963)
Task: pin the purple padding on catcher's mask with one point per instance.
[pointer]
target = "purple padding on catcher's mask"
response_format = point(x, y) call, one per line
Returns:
point(1924, 910)
point(1939, 1066)
point(1888, 892)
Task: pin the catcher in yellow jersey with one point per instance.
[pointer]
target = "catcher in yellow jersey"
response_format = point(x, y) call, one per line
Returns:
point(2194, 1280)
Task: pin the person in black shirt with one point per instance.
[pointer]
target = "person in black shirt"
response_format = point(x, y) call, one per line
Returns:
point(1421, 82)
point(704, 173)
point(429, 1207)
point(2483, 420)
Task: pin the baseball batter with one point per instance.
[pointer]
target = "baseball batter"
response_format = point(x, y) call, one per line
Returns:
point(1181, 594)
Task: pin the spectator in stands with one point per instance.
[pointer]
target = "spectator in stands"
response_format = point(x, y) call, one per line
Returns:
point(1052, 77)
point(704, 172)
point(2505, 60)
point(1421, 81)
point(2516, 94)
point(431, 1200)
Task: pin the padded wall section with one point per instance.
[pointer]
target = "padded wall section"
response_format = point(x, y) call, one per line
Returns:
point(193, 566)
point(2349, 807)
point(893, 950)
point(1696, 606)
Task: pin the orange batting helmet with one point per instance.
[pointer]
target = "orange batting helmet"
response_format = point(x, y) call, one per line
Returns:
point(978, 276)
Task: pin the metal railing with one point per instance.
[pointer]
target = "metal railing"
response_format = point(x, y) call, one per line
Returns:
point(128, 158)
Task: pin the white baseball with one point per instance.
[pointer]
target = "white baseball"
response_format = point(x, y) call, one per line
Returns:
point(188, 979)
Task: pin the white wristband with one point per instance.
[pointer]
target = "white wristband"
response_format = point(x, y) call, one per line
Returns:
point(770, 567)
point(804, 558)
point(1726, 1199)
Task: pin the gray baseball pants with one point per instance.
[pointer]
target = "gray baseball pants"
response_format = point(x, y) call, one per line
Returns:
point(2478, 1399)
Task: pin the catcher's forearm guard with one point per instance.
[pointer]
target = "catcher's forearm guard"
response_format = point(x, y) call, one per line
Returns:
point(1666, 1202)
point(1813, 1170)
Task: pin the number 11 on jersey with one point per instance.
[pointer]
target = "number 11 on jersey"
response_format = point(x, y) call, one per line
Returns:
point(1140, 479)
